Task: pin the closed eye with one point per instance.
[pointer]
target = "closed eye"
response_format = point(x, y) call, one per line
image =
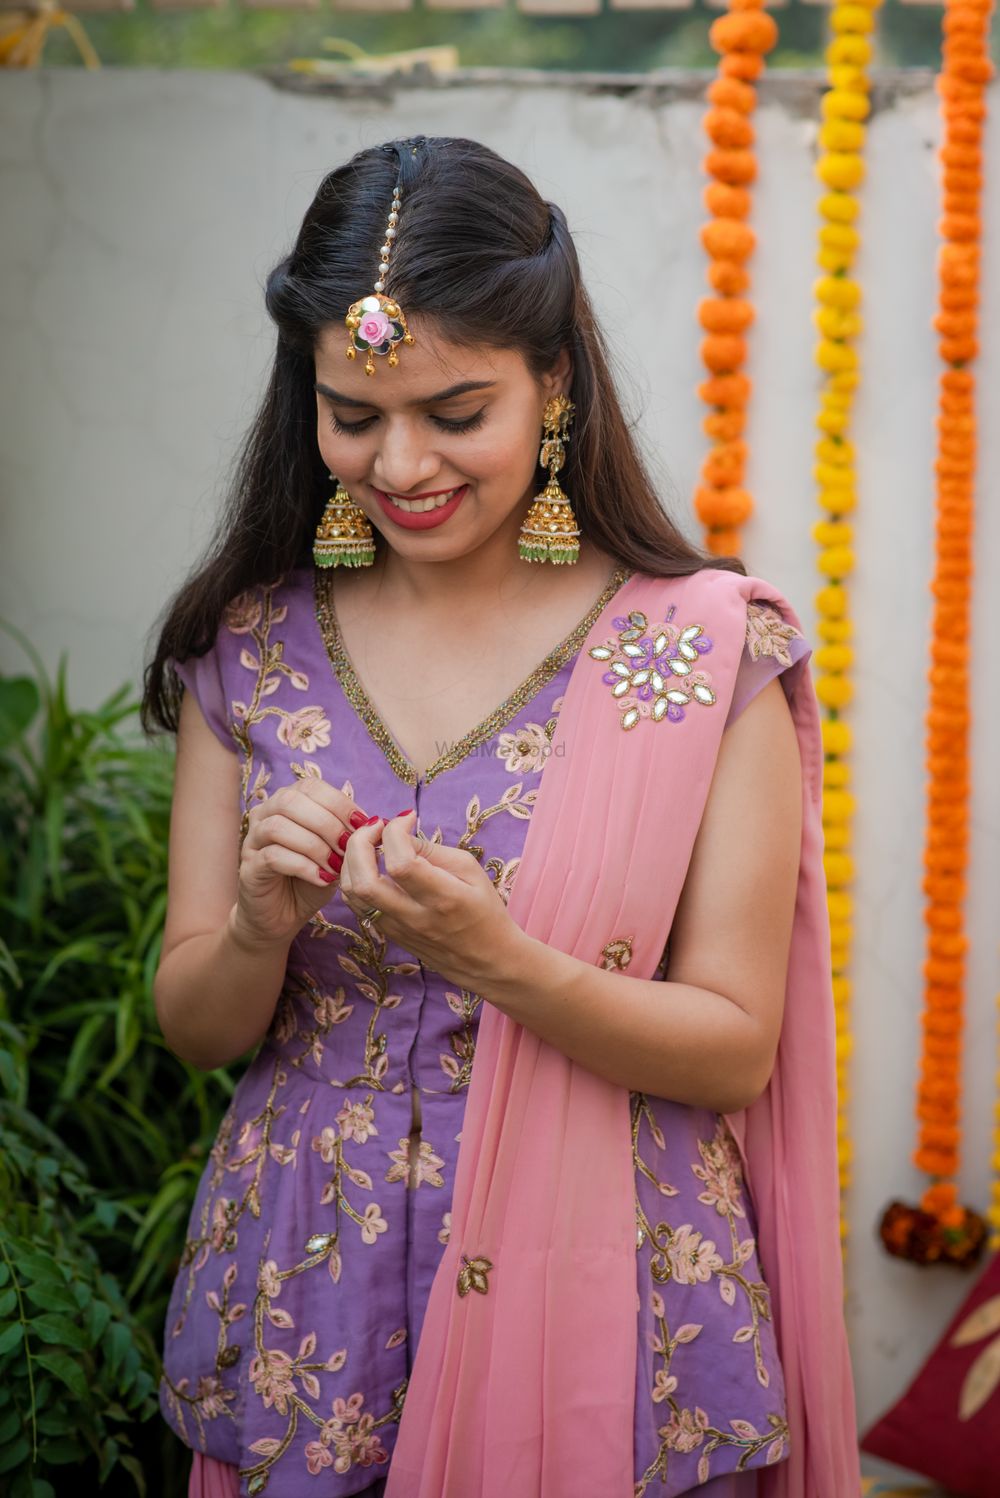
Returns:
point(355, 428)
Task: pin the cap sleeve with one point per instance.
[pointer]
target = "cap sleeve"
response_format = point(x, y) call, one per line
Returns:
point(772, 646)
point(202, 678)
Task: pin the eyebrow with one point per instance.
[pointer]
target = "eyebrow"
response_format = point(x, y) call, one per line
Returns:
point(427, 400)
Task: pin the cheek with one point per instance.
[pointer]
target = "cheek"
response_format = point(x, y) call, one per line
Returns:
point(345, 456)
point(506, 455)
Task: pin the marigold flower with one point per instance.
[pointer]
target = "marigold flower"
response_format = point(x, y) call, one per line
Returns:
point(725, 201)
point(840, 169)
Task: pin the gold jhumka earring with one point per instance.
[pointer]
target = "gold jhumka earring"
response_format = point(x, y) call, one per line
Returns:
point(376, 323)
point(549, 531)
point(344, 537)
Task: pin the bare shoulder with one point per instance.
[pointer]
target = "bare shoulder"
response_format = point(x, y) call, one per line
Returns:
point(732, 929)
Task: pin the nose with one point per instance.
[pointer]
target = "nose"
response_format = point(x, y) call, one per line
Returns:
point(404, 461)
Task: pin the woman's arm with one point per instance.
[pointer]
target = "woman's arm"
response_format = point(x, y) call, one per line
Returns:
point(708, 1034)
point(215, 988)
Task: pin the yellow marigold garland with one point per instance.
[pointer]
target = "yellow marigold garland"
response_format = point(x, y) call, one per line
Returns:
point(840, 168)
point(741, 37)
point(940, 1229)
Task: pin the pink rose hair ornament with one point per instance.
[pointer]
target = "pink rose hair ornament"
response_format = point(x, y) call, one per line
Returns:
point(376, 323)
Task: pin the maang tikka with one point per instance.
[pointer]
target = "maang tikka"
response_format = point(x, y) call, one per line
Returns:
point(376, 323)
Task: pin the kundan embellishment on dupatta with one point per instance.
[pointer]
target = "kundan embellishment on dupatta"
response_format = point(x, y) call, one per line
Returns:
point(617, 954)
point(472, 1275)
point(652, 669)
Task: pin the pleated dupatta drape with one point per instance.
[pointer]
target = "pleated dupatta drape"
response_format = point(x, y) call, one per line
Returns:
point(523, 1385)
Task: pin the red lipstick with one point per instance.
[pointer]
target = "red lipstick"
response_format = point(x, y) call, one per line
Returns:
point(421, 520)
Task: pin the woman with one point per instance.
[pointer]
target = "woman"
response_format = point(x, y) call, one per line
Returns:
point(353, 940)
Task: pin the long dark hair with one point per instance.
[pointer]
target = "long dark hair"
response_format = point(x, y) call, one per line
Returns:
point(492, 264)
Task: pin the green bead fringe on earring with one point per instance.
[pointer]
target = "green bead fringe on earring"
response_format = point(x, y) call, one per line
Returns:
point(549, 531)
point(344, 537)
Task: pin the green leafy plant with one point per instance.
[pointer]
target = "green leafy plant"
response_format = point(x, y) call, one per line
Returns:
point(103, 1131)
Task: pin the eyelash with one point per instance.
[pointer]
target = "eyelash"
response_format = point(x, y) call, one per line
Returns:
point(355, 429)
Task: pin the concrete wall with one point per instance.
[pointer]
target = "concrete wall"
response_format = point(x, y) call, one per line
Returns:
point(142, 211)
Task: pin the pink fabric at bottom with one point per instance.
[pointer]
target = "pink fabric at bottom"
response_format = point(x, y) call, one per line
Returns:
point(527, 1387)
point(212, 1479)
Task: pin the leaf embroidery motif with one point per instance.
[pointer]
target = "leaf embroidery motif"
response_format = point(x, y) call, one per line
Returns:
point(984, 1375)
point(653, 670)
point(768, 633)
point(980, 1381)
point(981, 1322)
point(472, 1275)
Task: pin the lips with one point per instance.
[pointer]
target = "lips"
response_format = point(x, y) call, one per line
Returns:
point(420, 520)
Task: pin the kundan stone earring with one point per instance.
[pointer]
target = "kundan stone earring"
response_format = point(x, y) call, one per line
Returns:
point(344, 537)
point(549, 531)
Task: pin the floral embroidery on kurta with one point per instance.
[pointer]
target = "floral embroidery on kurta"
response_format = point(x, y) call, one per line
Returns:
point(320, 1220)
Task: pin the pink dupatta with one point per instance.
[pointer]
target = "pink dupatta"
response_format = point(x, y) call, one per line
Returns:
point(523, 1384)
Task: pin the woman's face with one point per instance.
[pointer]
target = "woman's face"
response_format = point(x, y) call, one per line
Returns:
point(443, 420)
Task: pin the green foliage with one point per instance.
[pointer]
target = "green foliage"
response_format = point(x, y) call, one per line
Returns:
point(103, 1132)
point(631, 41)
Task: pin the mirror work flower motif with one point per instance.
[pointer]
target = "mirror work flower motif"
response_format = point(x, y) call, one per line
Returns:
point(653, 670)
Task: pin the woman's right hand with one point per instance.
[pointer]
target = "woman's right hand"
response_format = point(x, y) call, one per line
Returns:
point(292, 853)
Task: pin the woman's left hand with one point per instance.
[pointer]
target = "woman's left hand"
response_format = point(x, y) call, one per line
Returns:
point(436, 901)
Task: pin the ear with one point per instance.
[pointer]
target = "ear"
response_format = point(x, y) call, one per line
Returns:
point(559, 378)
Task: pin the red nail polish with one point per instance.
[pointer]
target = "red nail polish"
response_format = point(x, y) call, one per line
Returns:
point(357, 819)
point(369, 821)
point(326, 878)
point(342, 840)
point(336, 862)
point(404, 813)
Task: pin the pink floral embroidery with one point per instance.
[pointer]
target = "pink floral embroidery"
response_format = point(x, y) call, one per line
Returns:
point(427, 1164)
point(685, 1430)
point(692, 1258)
point(526, 750)
point(308, 729)
point(356, 1121)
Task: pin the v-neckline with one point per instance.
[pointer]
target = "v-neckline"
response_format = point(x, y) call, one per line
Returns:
point(362, 704)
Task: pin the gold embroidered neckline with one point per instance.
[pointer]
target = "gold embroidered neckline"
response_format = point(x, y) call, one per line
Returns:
point(501, 714)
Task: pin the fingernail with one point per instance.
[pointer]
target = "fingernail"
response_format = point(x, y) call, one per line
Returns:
point(404, 813)
point(358, 819)
point(342, 840)
point(336, 862)
point(326, 878)
point(370, 821)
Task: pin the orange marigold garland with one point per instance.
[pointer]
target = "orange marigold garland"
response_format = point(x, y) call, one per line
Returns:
point(741, 37)
point(840, 168)
point(941, 1229)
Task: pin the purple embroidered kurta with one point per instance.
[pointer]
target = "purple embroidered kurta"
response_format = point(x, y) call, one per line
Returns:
point(319, 1221)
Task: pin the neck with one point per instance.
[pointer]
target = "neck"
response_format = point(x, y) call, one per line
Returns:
point(493, 575)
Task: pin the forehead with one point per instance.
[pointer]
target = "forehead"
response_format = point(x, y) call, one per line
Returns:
point(429, 365)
